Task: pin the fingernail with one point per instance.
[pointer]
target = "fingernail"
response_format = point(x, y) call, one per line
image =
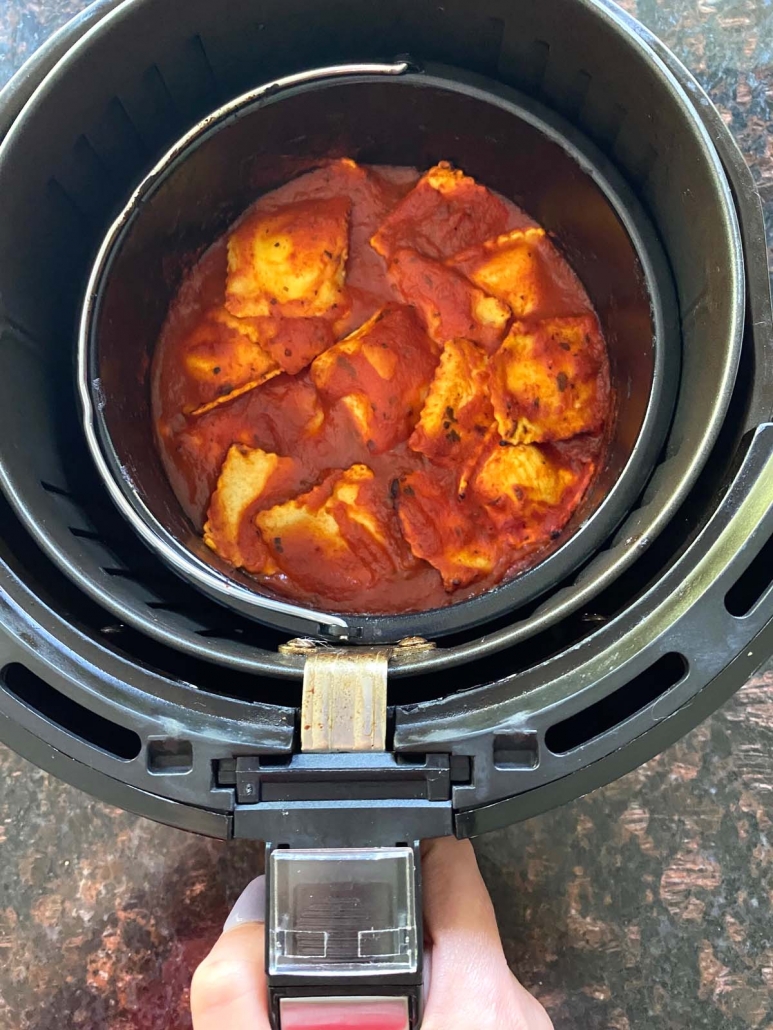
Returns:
point(427, 971)
point(250, 906)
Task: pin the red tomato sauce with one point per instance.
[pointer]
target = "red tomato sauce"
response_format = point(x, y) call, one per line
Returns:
point(275, 416)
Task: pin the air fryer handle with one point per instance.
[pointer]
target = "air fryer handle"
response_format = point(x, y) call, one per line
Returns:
point(344, 938)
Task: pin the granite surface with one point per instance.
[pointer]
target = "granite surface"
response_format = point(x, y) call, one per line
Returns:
point(647, 904)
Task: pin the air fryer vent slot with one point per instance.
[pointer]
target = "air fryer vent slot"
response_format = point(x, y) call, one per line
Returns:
point(530, 68)
point(86, 534)
point(753, 582)
point(614, 709)
point(51, 488)
point(187, 76)
point(94, 729)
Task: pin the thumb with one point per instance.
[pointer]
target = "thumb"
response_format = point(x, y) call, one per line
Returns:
point(229, 987)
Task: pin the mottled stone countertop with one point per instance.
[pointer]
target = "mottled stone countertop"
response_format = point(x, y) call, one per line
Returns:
point(647, 904)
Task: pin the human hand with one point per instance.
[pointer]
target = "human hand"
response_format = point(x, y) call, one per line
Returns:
point(470, 986)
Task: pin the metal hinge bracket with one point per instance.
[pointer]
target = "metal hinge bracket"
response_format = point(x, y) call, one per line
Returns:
point(344, 705)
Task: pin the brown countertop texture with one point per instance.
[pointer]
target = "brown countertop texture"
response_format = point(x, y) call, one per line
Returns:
point(647, 904)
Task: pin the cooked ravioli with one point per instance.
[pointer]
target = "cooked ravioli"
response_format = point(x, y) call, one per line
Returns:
point(290, 262)
point(381, 391)
point(450, 305)
point(549, 381)
point(293, 343)
point(529, 491)
point(523, 269)
point(249, 479)
point(455, 535)
point(223, 359)
point(445, 212)
point(457, 414)
point(380, 375)
point(340, 536)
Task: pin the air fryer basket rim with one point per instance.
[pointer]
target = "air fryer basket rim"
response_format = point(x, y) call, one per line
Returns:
point(505, 597)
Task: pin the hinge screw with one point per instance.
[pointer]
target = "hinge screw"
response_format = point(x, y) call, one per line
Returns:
point(299, 645)
point(416, 643)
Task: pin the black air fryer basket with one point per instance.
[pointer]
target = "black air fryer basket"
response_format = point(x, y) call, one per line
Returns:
point(135, 683)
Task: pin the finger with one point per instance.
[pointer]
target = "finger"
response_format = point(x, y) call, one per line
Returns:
point(459, 921)
point(471, 982)
point(229, 987)
point(455, 895)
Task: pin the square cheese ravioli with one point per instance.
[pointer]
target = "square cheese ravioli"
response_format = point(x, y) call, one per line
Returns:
point(290, 261)
point(457, 414)
point(550, 381)
point(445, 212)
point(523, 270)
point(380, 375)
point(249, 479)
point(222, 359)
point(340, 537)
point(454, 535)
point(449, 304)
point(528, 491)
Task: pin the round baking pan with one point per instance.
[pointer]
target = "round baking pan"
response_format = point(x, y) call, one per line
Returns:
point(381, 114)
